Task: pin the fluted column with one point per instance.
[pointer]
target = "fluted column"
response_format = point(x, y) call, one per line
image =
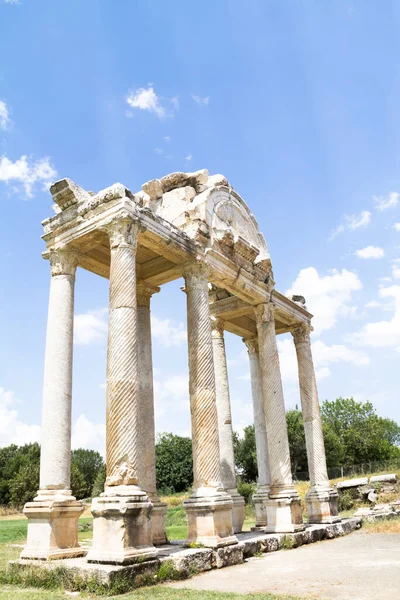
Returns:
point(283, 507)
point(146, 426)
point(264, 478)
point(209, 508)
point(53, 533)
point(122, 523)
point(321, 500)
point(227, 458)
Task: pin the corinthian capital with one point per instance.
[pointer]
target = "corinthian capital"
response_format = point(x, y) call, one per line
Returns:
point(63, 262)
point(195, 274)
point(301, 333)
point(217, 328)
point(265, 312)
point(123, 232)
point(144, 292)
point(252, 344)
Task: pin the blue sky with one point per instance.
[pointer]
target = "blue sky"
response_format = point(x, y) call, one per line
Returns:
point(295, 102)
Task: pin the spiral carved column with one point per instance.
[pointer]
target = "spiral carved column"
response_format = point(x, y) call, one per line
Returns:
point(321, 500)
point(209, 508)
point(122, 522)
point(227, 459)
point(283, 507)
point(264, 478)
point(53, 516)
point(146, 430)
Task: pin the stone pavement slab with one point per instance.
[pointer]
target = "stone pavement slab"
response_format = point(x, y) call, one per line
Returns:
point(356, 567)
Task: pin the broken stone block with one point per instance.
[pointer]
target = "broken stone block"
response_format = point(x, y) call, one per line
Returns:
point(153, 189)
point(388, 478)
point(352, 483)
point(373, 497)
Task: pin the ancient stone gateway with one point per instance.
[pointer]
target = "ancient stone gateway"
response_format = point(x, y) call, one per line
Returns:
point(198, 227)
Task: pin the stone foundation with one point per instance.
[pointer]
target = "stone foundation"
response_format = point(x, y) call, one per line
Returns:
point(322, 506)
point(210, 521)
point(187, 562)
point(284, 515)
point(238, 511)
point(158, 522)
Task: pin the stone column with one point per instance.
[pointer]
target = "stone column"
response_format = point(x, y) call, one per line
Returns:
point(264, 479)
point(122, 515)
point(54, 513)
point(146, 440)
point(322, 499)
point(227, 459)
point(283, 507)
point(209, 509)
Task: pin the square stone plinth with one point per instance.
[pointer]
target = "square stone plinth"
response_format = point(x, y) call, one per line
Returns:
point(121, 529)
point(260, 499)
point(158, 522)
point(322, 506)
point(284, 515)
point(52, 529)
point(210, 521)
point(238, 511)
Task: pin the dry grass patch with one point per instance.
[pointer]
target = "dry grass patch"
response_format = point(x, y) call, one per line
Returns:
point(383, 526)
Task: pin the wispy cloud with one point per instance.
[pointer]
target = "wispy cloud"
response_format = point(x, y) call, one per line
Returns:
point(146, 99)
point(370, 252)
point(90, 327)
point(397, 226)
point(385, 202)
point(5, 120)
point(352, 222)
point(27, 173)
point(189, 157)
point(201, 100)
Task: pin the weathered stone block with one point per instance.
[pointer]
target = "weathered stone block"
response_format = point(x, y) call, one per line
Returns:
point(387, 478)
point(352, 483)
point(228, 556)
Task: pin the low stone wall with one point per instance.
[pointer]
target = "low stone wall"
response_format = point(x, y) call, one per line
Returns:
point(176, 562)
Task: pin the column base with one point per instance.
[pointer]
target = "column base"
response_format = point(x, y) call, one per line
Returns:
point(53, 526)
point(158, 522)
point(260, 500)
point(322, 505)
point(122, 526)
point(209, 514)
point(284, 514)
point(238, 510)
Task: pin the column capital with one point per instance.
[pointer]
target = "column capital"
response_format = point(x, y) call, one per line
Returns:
point(301, 333)
point(144, 292)
point(62, 262)
point(252, 344)
point(123, 231)
point(265, 312)
point(217, 328)
point(195, 273)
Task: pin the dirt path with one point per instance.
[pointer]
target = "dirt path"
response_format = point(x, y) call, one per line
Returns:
point(356, 567)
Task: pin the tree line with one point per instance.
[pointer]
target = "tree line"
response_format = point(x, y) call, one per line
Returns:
point(353, 433)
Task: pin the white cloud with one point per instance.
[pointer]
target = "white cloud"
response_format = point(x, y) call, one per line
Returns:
point(397, 226)
point(323, 356)
point(370, 252)
point(327, 297)
point(373, 304)
point(189, 157)
point(168, 333)
point(158, 151)
point(27, 173)
point(352, 222)
point(396, 271)
point(382, 333)
point(384, 202)
point(86, 434)
point(167, 138)
point(12, 1)
point(171, 394)
point(146, 99)
point(12, 429)
point(4, 116)
point(201, 100)
point(90, 327)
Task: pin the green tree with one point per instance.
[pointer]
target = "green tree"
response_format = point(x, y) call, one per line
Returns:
point(174, 463)
point(19, 473)
point(245, 454)
point(85, 465)
point(297, 440)
point(363, 435)
point(98, 487)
